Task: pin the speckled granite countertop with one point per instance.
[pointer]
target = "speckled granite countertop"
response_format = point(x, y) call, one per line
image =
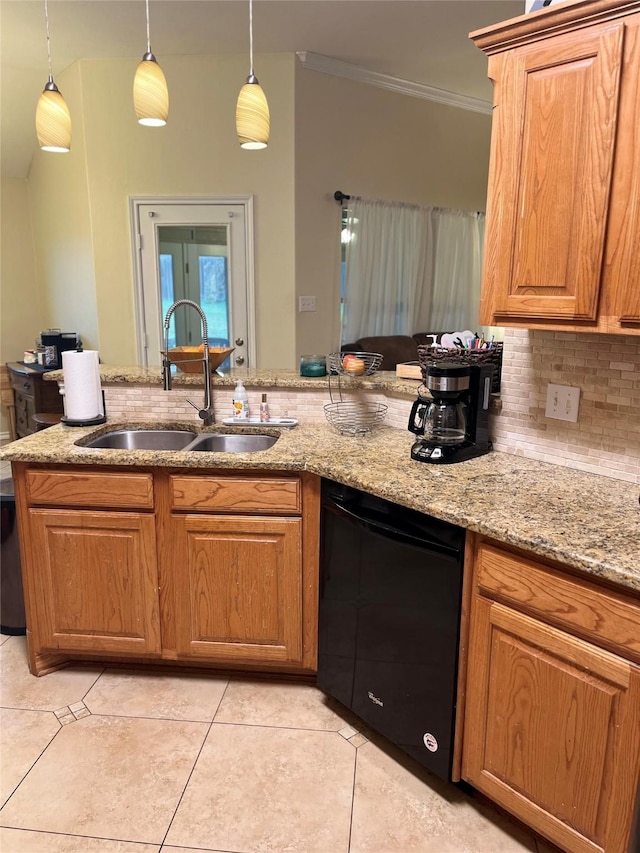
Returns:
point(383, 380)
point(588, 522)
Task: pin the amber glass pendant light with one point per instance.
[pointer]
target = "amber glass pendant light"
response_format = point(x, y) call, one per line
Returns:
point(252, 110)
point(150, 93)
point(53, 120)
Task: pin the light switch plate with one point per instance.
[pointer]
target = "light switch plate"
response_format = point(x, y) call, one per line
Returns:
point(306, 303)
point(563, 402)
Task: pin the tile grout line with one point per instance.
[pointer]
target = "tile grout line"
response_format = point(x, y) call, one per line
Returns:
point(353, 798)
point(186, 784)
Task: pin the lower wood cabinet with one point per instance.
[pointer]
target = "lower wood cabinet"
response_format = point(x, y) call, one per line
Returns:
point(96, 579)
point(238, 588)
point(552, 726)
point(197, 568)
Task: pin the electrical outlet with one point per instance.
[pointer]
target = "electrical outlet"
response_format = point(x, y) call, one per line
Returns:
point(306, 303)
point(563, 402)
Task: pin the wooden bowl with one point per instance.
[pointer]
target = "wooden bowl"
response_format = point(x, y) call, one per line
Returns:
point(189, 359)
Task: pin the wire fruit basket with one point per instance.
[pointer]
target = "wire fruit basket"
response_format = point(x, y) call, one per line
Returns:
point(354, 363)
point(354, 418)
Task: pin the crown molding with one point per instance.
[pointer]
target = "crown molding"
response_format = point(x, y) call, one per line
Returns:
point(338, 68)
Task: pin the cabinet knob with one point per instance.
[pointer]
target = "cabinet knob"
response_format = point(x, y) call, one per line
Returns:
point(239, 342)
point(240, 359)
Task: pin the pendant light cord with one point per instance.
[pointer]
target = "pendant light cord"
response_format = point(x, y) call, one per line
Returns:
point(250, 37)
point(148, 31)
point(46, 21)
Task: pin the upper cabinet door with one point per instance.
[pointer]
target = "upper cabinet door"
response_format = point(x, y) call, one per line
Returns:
point(552, 155)
point(622, 256)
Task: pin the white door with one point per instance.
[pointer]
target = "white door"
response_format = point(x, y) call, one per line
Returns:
point(199, 250)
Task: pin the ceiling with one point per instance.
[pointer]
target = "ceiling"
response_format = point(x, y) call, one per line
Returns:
point(424, 41)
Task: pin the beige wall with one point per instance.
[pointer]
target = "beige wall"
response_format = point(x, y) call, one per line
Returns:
point(81, 200)
point(21, 305)
point(370, 142)
point(60, 208)
point(197, 153)
point(327, 134)
point(22, 311)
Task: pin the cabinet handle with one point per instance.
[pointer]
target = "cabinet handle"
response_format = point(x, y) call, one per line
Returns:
point(26, 385)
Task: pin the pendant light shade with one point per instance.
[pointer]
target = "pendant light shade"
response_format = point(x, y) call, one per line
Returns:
point(53, 120)
point(150, 93)
point(253, 122)
point(252, 116)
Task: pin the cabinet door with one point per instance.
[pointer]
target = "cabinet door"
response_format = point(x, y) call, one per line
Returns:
point(552, 152)
point(622, 261)
point(552, 729)
point(238, 588)
point(95, 581)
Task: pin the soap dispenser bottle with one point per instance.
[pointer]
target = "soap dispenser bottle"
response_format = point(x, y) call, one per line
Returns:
point(240, 402)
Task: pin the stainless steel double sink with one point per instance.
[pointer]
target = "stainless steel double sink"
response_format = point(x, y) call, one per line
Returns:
point(176, 439)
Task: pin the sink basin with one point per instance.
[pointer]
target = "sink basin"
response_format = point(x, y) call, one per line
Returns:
point(144, 439)
point(235, 443)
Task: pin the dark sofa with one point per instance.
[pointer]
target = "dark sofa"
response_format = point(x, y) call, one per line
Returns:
point(395, 349)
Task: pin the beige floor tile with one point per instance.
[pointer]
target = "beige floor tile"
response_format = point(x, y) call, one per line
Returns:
point(284, 704)
point(25, 841)
point(109, 777)
point(4, 638)
point(268, 789)
point(20, 689)
point(24, 735)
point(165, 696)
point(166, 849)
point(397, 811)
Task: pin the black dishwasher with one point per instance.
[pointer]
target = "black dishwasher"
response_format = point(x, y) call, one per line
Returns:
point(390, 600)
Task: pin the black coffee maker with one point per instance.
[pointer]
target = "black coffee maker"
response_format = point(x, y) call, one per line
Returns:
point(452, 424)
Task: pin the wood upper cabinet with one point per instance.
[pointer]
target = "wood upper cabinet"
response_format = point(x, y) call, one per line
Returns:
point(238, 588)
point(563, 206)
point(96, 580)
point(552, 726)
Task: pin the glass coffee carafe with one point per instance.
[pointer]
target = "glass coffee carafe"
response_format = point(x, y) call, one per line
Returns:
point(445, 422)
point(441, 420)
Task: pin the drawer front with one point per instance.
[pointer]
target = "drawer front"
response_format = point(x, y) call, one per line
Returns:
point(25, 410)
point(59, 488)
point(236, 494)
point(23, 383)
point(599, 614)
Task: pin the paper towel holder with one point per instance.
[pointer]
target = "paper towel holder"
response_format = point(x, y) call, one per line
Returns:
point(100, 419)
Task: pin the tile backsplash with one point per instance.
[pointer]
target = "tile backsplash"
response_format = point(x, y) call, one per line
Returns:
point(606, 368)
point(138, 402)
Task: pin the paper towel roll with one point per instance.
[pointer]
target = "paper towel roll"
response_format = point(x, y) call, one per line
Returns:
point(82, 390)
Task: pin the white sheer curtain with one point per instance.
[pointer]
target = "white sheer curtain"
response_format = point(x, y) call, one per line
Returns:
point(457, 270)
point(409, 269)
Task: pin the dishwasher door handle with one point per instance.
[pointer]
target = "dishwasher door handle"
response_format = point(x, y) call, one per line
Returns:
point(388, 531)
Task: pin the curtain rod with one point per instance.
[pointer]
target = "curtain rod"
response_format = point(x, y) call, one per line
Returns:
point(341, 197)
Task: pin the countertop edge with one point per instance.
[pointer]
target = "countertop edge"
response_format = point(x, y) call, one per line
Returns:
point(500, 496)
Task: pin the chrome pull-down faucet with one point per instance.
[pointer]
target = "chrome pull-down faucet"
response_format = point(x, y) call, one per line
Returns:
point(206, 412)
